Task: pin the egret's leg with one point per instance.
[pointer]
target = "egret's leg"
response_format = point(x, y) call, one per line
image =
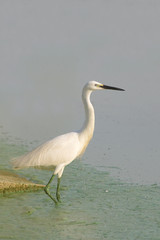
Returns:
point(57, 191)
point(46, 189)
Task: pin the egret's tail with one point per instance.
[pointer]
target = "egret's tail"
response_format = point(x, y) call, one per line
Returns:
point(30, 159)
point(35, 158)
point(20, 162)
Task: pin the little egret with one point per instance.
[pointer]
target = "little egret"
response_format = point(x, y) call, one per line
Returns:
point(62, 150)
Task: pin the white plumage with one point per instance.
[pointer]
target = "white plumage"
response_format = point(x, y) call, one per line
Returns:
point(56, 153)
point(62, 150)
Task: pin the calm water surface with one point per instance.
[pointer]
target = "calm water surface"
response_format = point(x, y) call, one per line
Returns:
point(45, 61)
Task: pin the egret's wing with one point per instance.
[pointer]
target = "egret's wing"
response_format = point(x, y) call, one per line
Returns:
point(62, 149)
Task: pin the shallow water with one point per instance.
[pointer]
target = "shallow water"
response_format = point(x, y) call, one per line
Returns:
point(94, 206)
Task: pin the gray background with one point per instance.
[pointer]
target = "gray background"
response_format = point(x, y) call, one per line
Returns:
point(50, 49)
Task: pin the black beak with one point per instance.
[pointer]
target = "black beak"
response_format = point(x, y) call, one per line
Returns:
point(111, 88)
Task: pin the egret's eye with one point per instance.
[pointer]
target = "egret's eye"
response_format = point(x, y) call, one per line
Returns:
point(98, 85)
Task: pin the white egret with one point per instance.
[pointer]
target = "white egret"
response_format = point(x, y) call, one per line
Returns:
point(62, 150)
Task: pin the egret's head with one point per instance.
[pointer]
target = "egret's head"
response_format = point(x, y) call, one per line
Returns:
point(93, 85)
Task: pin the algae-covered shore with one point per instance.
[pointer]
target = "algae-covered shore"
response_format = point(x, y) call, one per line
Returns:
point(11, 182)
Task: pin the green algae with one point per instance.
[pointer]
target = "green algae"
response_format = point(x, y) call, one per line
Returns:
point(94, 206)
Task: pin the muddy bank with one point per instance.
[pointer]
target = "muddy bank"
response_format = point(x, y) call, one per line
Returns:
point(11, 182)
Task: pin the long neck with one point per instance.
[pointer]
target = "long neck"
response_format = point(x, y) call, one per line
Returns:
point(88, 128)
